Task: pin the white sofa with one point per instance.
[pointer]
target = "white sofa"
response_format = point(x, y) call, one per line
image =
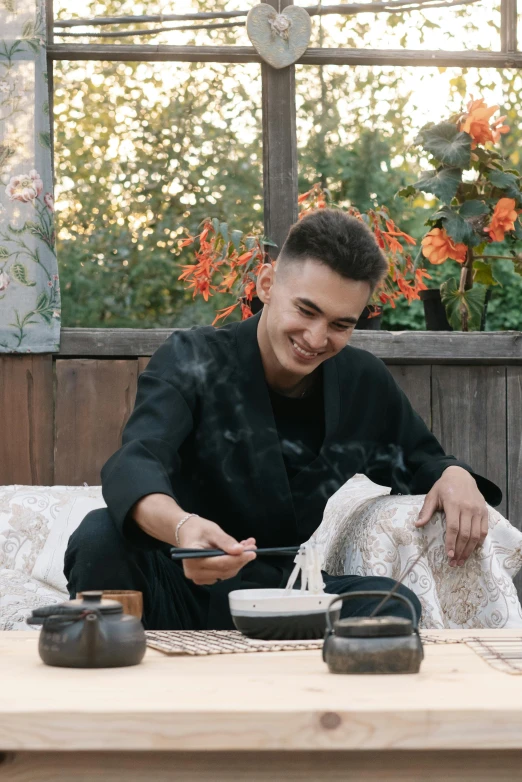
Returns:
point(364, 531)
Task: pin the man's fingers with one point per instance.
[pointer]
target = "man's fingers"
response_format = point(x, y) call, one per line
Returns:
point(484, 524)
point(464, 535)
point(474, 538)
point(209, 570)
point(429, 507)
point(220, 539)
point(452, 529)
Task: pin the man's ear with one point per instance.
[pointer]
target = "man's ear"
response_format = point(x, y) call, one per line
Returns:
point(265, 280)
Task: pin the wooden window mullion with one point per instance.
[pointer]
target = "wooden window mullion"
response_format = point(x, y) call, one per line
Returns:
point(279, 148)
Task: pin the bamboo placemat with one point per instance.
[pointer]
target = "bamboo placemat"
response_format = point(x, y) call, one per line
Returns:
point(205, 642)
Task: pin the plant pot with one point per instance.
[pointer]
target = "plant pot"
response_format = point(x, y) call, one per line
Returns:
point(365, 322)
point(435, 312)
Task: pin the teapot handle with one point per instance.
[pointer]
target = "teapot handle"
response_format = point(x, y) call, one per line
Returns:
point(372, 593)
point(54, 617)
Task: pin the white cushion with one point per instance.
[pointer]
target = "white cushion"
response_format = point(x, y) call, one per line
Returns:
point(19, 594)
point(27, 514)
point(48, 567)
point(366, 532)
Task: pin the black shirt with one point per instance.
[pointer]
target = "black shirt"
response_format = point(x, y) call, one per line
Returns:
point(300, 426)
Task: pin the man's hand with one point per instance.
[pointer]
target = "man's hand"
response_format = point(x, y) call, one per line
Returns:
point(456, 494)
point(202, 533)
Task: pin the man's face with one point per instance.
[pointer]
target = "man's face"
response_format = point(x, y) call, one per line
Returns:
point(309, 315)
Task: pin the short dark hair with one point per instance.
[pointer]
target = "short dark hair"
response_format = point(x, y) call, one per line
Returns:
point(338, 240)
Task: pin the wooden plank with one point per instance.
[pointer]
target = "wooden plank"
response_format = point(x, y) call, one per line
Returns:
point(142, 364)
point(258, 702)
point(469, 419)
point(514, 452)
point(508, 25)
point(398, 347)
point(313, 56)
point(284, 766)
point(93, 402)
point(415, 381)
point(26, 402)
point(279, 148)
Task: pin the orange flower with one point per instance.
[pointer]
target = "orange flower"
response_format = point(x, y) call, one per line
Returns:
point(246, 312)
point(394, 231)
point(250, 289)
point(503, 219)
point(303, 197)
point(437, 247)
point(476, 123)
point(185, 242)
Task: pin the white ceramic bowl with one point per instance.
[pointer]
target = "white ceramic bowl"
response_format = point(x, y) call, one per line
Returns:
point(278, 614)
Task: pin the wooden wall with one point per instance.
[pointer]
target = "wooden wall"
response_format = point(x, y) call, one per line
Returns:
point(62, 416)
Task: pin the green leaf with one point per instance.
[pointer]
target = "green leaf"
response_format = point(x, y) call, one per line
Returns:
point(483, 273)
point(473, 209)
point(509, 183)
point(464, 310)
point(4, 252)
point(236, 237)
point(18, 272)
point(215, 225)
point(406, 192)
point(28, 30)
point(443, 183)
point(268, 242)
point(223, 230)
point(459, 229)
point(5, 153)
point(45, 139)
point(250, 242)
point(33, 228)
point(45, 107)
point(448, 144)
point(42, 301)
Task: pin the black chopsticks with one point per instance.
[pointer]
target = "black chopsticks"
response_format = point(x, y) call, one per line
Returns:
point(199, 553)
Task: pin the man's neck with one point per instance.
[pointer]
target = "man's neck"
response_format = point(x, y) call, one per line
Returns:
point(276, 376)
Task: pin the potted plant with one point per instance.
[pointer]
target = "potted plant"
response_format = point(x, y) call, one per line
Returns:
point(227, 261)
point(479, 203)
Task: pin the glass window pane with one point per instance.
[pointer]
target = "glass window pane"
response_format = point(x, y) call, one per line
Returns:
point(142, 149)
point(229, 35)
point(474, 27)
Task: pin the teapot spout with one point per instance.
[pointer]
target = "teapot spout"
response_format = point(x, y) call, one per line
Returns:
point(90, 638)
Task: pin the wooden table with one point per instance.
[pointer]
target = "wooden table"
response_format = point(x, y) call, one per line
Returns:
point(257, 717)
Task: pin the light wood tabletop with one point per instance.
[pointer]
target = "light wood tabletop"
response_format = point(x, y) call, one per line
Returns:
point(260, 701)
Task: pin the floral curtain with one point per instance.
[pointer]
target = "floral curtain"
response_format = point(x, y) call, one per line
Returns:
point(29, 285)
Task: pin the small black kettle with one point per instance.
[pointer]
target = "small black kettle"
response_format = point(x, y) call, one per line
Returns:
point(89, 633)
point(379, 644)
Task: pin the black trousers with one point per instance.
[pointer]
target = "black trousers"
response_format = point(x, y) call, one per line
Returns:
point(99, 557)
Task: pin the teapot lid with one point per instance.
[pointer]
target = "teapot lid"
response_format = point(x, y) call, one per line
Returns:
point(93, 600)
point(372, 627)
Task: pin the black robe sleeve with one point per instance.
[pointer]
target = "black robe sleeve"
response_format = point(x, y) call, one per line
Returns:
point(148, 457)
point(412, 459)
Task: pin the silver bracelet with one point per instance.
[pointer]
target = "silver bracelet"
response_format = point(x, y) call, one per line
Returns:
point(180, 524)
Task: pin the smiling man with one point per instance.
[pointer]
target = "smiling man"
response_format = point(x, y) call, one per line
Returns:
point(241, 434)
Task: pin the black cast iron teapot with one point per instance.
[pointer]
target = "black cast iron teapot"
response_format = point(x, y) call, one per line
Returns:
point(372, 644)
point(89, 633)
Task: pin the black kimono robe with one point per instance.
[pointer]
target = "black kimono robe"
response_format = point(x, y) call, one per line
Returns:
point(203, 432)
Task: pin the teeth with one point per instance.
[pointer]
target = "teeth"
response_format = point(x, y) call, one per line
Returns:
point(303, 352)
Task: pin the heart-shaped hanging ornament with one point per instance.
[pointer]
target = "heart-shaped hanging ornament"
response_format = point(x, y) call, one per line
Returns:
point(280, 39)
